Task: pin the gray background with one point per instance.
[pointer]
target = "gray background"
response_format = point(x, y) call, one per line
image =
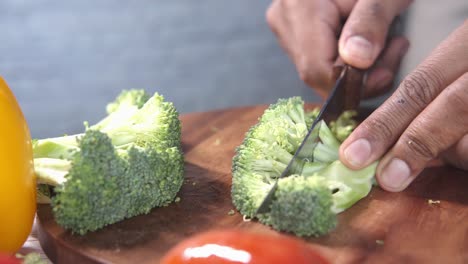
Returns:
point(65, 60)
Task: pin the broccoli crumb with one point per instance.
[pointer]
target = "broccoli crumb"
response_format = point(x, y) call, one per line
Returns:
point(379, 242)
point(177, 199)
point(31, 258)
point(231, 212)
point(430, 201)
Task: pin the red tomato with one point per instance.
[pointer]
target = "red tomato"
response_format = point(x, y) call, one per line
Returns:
point(8, 259)
point(239, 246)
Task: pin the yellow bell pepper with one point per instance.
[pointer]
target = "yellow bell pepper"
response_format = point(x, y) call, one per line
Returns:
point(17, 178)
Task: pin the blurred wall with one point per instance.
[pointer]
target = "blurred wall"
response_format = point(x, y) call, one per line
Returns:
point(430, 22)
point(426, 24)
point(65, 60)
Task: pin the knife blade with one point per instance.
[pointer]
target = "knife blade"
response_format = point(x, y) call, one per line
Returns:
point(345, 95)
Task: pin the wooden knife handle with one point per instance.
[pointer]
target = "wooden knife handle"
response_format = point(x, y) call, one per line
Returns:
point(353, 79)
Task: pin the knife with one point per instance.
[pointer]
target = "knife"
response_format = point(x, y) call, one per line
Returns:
point(345, 95)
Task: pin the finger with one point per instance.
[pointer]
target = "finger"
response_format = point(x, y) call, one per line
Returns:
point(437, 128)
point(373, 137)
point(457, 155)
point(345, 6)
point(316, 26)
point(307, 31)
point(365, 31)
point(380, 78)
point(279, 25)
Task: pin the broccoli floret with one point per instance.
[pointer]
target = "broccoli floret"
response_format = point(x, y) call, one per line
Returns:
point(289, 213)
point(155, 123)
point(116, 169)
point(318, 187)
point(344, 125)
point(128, 99)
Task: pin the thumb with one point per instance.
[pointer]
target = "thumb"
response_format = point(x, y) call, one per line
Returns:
point(364, 33)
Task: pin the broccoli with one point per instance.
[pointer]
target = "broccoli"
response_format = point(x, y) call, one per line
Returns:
point(125, 165)
point(295, 192)
point(318, 186)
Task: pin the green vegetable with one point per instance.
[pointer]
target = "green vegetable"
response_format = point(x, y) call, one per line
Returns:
point(125, 165)
point(31, 258)
point(319, 187)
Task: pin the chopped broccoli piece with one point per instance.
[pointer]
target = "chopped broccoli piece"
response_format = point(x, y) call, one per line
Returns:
point(43, 194)
point(303, 206)
point(125, 165)
point(128, 99)
point(349, 186)
point(31, 258)
point(318, 187)
point(344, 125)
point(154, 123)
point(379, 242)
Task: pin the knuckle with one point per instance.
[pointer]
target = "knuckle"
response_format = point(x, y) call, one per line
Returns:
point(377, 10)
point(420, 148)
point(459, 101)
point(312, 73)
point(457, 96)
point(421, 87)
point(371, 21)
point(381, 128)
point(304, 69)
point(271, 15)
point(290, 3)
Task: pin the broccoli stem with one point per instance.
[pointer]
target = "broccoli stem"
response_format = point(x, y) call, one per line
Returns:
point(310, 168)
point(297, 114)
point(327, 137)
point(116, 118)
point(270, 168)
point(43, 196)
point(58, 147)
point(51, 171)
point(325, 153)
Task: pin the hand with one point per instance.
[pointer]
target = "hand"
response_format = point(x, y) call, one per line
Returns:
point(308, 30)
point(426, 118)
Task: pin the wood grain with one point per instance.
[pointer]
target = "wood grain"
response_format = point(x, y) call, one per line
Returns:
point(408, 228)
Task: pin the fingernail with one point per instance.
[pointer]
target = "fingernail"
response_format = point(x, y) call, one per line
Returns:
point(358, 152)
point(395, 175)
point(359, 48)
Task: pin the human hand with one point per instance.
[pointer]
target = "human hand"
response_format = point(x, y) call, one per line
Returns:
point(312, 33)
point(426, 118)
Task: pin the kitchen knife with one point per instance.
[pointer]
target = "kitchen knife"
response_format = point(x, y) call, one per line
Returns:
point(345, 95)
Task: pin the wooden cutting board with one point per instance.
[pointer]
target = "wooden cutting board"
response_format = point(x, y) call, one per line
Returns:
point(382, 228)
